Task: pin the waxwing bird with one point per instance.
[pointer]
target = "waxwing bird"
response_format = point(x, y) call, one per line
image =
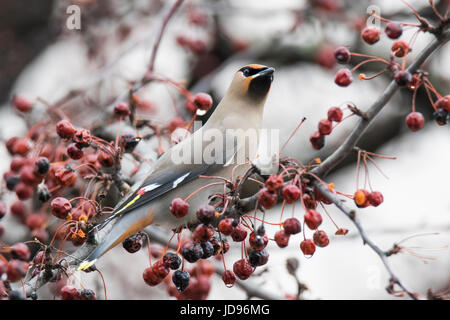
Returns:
point(231, 130)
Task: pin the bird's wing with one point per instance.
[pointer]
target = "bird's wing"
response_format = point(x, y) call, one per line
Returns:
point(168, 178)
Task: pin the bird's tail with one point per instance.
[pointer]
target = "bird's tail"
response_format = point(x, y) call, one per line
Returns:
point(122, 229)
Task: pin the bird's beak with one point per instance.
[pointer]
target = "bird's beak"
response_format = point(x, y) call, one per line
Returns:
point(267, 72)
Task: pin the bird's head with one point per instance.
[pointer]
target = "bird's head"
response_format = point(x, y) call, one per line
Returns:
point(252, 82)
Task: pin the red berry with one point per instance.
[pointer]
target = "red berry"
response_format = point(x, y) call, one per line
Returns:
point(320, 238)
point(282, 238)
point(27, 176)
point(313, 219)
point(274, 182)
point(402, 78)
point(190, 105)
point(325, 57)
point(335, 114)
point(361, 198)
point(371, 35)
point(229, 278)
point(206, 213)
point(22, 104)
point(18, 209)
point(343, 77)
point(393, 30)
point(23, 191)
point(122, 109)
point(292, 226)
point(342, 55)
point(444, 103)
point(414, 121)
point(105, 159)
point(203, 101)
point(21, 146)
point(317, 140)
point(179, 208)
point(175, 123)
point(258, 242)
point(325, 127)
point(64, 129)
point(242, 269)
point(375, 198)
point(35, 221)
point(309, 202)
point(82, 137)
point(239, 233)
point(291, 193)
point(308, 247)
point(226, 226)
point(20, 251)
point(16, 270)
point(203, 232)
point(160, 269)
point(75, 152)
point(65, 176)
point(69, 293)
point(266, 198)
point(400, 48)
point(61, 207)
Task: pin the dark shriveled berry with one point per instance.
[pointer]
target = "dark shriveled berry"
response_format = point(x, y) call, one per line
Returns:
point(440, 116)
point(393, 30)
point(342, 55)
point(258, 258)
point(206, 213)
point(87, 294)
point(172, 260)
point(192, 252)
point(42, 165)
point(43, 193)
point(180, 279)
point(134, 243)
point(402, 78)
point(208, 249)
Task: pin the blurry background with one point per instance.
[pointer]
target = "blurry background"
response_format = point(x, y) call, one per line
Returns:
point(205, 43)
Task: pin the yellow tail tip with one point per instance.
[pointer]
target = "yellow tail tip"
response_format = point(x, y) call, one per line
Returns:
point(86, 265)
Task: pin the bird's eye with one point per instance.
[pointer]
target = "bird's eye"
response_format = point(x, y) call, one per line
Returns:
point(246, 72)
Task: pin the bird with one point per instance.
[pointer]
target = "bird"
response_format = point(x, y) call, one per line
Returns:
point(182, 169)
